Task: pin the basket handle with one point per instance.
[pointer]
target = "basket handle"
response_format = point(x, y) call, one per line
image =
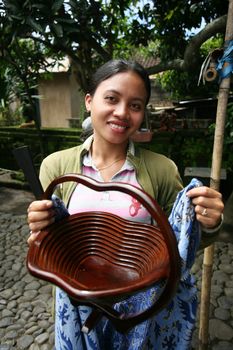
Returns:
point(124, 324)
point(145, 199)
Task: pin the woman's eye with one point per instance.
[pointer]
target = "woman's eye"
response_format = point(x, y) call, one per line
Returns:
point(136, 106)
point(110, 98)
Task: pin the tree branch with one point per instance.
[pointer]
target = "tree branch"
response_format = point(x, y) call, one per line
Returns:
point(192, 51)
point(168, 65)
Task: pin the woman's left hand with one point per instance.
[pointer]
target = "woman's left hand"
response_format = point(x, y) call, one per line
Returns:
point(208, 206)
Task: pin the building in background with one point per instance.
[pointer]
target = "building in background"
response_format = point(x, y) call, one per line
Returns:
point(61, 101)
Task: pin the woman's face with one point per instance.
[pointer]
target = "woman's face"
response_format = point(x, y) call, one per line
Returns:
point(117, 107)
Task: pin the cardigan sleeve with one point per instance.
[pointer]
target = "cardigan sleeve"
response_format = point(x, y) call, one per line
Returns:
point(49, 170)
point(60, 163)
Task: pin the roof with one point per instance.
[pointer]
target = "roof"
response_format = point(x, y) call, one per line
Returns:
point(146, 62)
point(63, 65)
point(210, 100)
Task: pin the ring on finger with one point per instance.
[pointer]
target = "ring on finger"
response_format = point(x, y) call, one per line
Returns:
point(32, 233)
point(204, 212)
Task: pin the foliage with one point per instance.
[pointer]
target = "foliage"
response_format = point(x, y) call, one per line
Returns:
point(227, 157)
point(229, 124)
point(22, 61)
point(73, 28)
point(3, 86)
point(180, 85)
point(184, 85)
point(91, 32)
point(9, 117)
point(176, 22)
point(211, 44)
point(228, 139)
point(197, 153)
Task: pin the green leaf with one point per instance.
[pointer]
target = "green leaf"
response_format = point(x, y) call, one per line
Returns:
point(36, 26)
point(38, 6)
point(170, 15)
point(57, 5)
point(57, 28)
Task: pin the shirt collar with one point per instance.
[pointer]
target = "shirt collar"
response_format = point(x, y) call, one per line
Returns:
point(88, 142)
point(87, 160)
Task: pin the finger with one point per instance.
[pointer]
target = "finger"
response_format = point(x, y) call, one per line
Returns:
point(206, 222)
point(40, 225)
point(206, 212)
point(40, 205)
point(204, 191)
point(206, 202)
point(34, 216)
point(32, 237)
point(208, 217)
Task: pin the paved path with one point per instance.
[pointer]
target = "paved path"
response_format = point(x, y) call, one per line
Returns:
point(26, 320)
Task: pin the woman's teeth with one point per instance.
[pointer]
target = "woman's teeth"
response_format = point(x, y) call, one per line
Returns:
point(117, 127)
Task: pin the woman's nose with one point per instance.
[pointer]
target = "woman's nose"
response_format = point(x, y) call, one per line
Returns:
point(121, 111)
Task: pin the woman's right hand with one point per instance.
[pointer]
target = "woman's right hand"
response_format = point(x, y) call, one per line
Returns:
point(40, 215)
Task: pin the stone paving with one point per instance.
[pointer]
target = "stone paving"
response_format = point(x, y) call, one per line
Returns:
point(26, 320)
point(221, 307)
point(25, 303)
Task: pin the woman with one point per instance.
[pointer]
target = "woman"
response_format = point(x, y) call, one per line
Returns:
point(118, 95)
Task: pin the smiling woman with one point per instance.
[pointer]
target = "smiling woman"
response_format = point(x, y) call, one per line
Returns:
point(117, 109)
point(118, 95)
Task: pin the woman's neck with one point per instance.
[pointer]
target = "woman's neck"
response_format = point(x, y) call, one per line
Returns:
point(106, 152)
point(108, 159)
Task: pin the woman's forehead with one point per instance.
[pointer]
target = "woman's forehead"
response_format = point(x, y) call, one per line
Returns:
point(124, 81)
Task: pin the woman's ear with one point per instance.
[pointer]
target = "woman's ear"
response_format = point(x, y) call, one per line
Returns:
point(88, 100)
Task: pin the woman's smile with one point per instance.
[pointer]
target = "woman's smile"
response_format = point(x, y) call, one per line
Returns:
point(118, 126)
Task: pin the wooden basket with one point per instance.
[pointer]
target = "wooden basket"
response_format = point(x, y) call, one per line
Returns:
point(99, 258)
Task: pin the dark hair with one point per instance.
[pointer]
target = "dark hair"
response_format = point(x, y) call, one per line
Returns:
point(114, 67)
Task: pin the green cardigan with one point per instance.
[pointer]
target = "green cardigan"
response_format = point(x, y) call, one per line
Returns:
point(157, 174)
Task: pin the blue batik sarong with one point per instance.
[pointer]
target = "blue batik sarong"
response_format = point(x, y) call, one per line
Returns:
point(170, 329)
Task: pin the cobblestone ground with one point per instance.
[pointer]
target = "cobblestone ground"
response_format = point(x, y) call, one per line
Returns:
point(221, 307)
point(25, 303)
point(26, 320)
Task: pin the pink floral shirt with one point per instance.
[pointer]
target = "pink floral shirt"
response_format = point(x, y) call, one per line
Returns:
point(118, 203)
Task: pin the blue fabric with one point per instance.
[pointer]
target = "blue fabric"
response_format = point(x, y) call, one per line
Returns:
point(170, 329)
point(225, 72)
point(59, 207)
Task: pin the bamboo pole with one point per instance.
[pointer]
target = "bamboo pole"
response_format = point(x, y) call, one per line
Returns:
point(214, 183)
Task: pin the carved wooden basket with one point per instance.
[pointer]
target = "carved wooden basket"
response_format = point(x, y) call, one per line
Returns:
point(99, 258)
